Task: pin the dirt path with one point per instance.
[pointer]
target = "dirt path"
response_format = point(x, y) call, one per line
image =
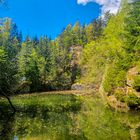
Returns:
point(67, 92)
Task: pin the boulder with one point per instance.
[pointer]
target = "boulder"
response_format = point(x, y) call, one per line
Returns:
point(78, 87)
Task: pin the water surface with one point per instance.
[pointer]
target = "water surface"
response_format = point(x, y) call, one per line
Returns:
point(66, 117)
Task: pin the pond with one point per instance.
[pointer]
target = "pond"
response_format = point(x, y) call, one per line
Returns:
point(66, 117)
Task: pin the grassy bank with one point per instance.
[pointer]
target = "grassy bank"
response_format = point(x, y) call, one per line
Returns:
point(49, 102)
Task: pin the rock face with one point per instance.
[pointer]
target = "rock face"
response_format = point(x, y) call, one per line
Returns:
point(76, 52)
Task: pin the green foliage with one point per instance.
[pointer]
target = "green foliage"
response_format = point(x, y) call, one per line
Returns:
point(120, 94)
point(92, 63)
point(114, 77)
point(132, 100)
point(89, 31)
point(136, 83)
point(2, 56)
point(109, 57)
point(101, 52)
point(7, 74)
point(109, 79)
point(132, 28)
point(76, 33)
point(8, 59)
point(32, 74)
point(51, 59)
point(45, 64)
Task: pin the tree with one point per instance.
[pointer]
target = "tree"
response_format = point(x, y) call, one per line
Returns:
point(8, 62)
point(66, 37)
point(7, 77)
point(84, 36)
point(89, 32)
point(28, 69)
point(76, 34)
point(32, 72)
point(97, 28)
point(13, 31)
point(132, 28)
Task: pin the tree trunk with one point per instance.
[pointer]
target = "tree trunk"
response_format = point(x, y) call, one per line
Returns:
point(14, 110)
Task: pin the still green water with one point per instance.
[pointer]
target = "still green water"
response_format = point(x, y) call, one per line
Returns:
point(66, 117)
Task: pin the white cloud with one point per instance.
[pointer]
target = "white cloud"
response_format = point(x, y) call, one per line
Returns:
point(106, 5)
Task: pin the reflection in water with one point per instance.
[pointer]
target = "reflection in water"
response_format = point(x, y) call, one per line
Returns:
point(16, 138)
point(41, 127)
point(6, 126)
point(92, 121)
point(7, 123)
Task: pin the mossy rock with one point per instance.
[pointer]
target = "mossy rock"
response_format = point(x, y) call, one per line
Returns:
point(132, 100)
point(78, 86)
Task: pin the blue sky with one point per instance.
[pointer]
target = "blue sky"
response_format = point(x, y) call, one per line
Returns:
point(49, 17)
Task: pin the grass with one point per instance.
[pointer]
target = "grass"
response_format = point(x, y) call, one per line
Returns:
point(48, 102)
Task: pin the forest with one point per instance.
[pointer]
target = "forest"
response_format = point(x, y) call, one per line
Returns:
point(97, 54)
point(103, 56)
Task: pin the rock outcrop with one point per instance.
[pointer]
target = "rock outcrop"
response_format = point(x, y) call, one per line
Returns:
point(131, 74)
